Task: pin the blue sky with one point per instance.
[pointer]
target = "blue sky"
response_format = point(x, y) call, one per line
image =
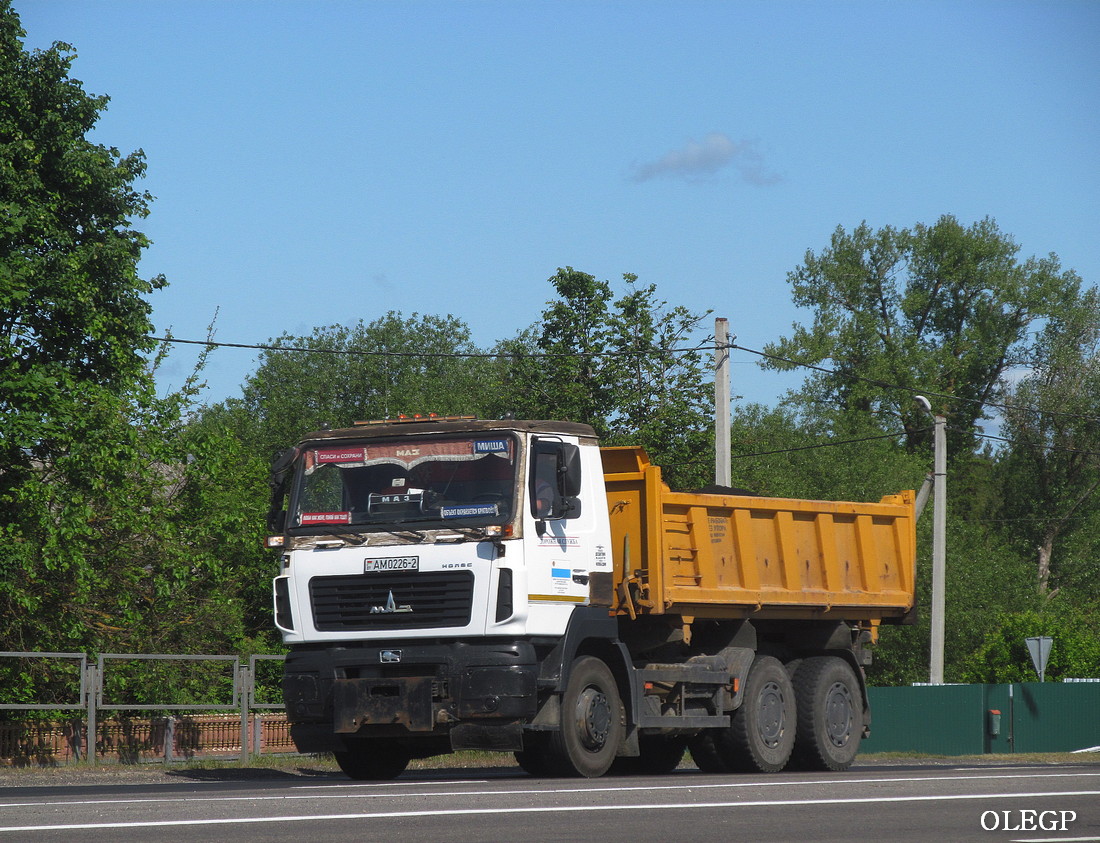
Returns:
point(316, 163)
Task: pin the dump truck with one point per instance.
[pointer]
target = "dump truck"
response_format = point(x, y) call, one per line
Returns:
point(458, 583)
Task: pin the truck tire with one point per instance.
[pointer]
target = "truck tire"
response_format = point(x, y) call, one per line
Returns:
point(830, 714)
point(706, 754)
point(592, 725)
point(535, 759)
point(373, 760)
point(761, 733)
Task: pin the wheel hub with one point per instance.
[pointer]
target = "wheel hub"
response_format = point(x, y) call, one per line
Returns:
point(838, 714)
point(593, 718)
point(770, 723)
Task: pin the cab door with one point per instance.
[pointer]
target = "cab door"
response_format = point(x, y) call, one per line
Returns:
point(561, 533)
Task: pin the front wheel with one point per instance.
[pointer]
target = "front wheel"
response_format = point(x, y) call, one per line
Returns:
point(373, 760)
point(592, 727)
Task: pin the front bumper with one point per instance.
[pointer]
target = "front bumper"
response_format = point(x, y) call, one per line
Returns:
point(477, 694)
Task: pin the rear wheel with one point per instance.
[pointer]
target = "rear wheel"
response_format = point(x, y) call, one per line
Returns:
point(373, 760)
point(761, 734)
point(592, 726)
point(830, 714)
point(705, 752)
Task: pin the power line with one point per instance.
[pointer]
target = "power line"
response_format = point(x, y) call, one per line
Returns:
point(1034, 445)
point(355, 352)
point(911, 390)
point(830, 444)
point(210, 343)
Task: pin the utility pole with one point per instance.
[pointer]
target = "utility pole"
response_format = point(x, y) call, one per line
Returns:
point(723, 470)
point(939, 541)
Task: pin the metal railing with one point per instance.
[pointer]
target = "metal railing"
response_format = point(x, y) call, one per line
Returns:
point(92, 697)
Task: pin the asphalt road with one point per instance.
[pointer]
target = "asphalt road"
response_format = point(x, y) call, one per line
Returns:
point(896, 802)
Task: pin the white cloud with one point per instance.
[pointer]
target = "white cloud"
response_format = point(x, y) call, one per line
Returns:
point(699, 160)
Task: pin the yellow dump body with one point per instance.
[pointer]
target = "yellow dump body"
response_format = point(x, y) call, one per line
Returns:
point(732, 556)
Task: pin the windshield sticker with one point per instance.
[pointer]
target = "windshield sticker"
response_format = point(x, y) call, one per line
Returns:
point(341, 455)
point(492, 446)
point(474, 510)
point(395, 504)
point(410, 454)
point(325, 518)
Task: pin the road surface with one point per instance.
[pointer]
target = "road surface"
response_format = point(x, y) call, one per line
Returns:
point(896, 802)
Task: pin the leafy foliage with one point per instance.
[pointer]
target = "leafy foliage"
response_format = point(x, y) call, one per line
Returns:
point(1003, 656)
point(1051, 470)
point(940, 309)
point(391, 366)
point(627, 366)
point(76, 400)
point(101, 551)
point(73, 318)
point(778, 453)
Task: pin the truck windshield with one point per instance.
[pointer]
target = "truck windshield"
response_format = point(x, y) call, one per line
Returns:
point(461, 481)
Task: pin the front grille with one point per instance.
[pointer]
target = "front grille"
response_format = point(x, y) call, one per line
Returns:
point(376, 601)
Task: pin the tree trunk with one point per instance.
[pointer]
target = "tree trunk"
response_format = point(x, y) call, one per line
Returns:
point(1046, 550)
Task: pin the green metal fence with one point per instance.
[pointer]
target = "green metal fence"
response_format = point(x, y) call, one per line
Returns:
point(980, 719)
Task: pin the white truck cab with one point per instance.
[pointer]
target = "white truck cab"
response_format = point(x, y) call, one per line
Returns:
point(427, 569)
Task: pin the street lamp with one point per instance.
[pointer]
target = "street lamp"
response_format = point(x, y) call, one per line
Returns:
point(939, 539)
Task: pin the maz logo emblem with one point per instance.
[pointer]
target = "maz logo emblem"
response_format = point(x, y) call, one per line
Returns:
point(391, 608)
point(389, 656)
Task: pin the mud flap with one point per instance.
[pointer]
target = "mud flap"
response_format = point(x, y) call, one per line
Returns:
point(496, 737)
point(373, 702)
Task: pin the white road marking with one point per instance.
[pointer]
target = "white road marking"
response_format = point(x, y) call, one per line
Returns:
point(694, 784)
point(543, 810)
point(1055, 839)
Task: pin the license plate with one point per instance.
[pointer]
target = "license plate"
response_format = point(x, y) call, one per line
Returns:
point(391, 563)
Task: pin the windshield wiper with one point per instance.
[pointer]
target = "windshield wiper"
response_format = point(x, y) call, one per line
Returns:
point(350, 538)
point(469, 532)
point(416, 535)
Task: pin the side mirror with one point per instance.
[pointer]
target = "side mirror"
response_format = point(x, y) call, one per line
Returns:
point(276, 521)
point(280, 469)
point(555, 480)
point(281, 465)
point(569, 470)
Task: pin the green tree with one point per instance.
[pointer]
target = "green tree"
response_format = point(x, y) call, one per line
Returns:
point(381, 369)
point(556, 367)
point(944, 310)
point(631, 366)
point(947, 311)
point(76, 398)
point(661, 388)
point(74, 322)
point(1050, 471)
point(106, 536)
point(1003, 655)
point(778, 453)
